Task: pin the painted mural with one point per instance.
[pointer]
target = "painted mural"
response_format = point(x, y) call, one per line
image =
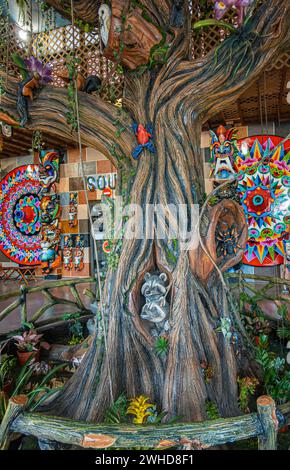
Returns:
point(261, 165)
point(20, 215)
point(263, 183)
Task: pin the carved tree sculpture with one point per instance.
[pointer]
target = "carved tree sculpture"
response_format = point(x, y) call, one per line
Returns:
point(176, 98)
point(136, 37)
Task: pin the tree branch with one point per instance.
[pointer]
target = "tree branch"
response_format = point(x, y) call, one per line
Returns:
point(208, 85)
point(86, 10)
point(98, 120)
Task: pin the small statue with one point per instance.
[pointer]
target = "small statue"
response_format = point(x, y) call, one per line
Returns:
point(73, 210)
point(50, 209)
point(35, 74)
point(177, 14)
point(144, 139)
point(50, 255)
point(156, 308)
point(227, 240)
point(48, 170)
point(79, 254)
point(87, 85)
point(68, 253)
point(105, 15)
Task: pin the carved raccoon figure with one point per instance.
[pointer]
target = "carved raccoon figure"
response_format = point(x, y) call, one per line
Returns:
point(156, 308)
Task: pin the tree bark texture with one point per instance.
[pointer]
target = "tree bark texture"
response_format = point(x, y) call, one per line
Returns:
point(176, 98)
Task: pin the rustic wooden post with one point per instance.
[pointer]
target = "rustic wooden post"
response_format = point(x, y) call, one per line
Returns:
point(23, 311)
point(267, 414)
point(15, 406)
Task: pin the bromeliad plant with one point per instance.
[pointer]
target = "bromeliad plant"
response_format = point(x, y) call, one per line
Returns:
point(28, 345)
point(29, 341)
point(140, 408)
point(122, 410)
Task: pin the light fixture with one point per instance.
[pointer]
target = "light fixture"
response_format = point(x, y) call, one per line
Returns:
point(23, 35)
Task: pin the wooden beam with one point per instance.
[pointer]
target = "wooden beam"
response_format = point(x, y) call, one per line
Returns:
point(16, 406)
point(267, 414)
point(208, 433)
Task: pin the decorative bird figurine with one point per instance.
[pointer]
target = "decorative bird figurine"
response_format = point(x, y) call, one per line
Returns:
point(105, 22)
point(144, 139)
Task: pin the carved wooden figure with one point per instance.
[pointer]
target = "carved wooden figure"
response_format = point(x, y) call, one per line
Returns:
point(73, 209)
point(68, 253)
point(136, 35)
point(50, 211)
point(79, 254)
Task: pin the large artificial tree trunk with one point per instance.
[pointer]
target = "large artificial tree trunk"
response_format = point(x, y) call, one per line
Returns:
point(176, 99)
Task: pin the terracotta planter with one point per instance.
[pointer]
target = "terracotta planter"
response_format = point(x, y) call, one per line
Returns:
point(23, 357)
point(284, 429)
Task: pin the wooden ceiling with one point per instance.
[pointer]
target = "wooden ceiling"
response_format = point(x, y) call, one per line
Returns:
point(20, 144)
point(264, 101)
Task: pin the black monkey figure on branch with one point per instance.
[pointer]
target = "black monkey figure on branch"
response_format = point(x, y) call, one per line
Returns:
point(177, 14)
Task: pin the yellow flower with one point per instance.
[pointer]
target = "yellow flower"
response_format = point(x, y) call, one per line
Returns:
point(139, 407)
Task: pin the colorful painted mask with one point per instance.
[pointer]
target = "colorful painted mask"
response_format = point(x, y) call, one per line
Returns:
point(48, 169)
point(223, 150)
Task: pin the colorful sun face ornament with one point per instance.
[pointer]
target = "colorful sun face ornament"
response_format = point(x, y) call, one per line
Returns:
point(223, 149)
point(263, 167)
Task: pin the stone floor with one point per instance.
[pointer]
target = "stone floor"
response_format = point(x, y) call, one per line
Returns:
point(37, 300)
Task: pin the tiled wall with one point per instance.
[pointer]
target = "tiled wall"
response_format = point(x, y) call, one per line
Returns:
point(70, 181)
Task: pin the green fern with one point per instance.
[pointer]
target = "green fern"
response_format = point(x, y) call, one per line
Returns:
point(211, 410)
point(116, 414)
point(161, 346)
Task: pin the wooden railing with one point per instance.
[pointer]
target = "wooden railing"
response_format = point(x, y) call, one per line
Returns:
point(242, 282)
point(50, 429)
point(21, 301)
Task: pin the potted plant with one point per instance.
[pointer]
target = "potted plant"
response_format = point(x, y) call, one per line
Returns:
point(28, 345)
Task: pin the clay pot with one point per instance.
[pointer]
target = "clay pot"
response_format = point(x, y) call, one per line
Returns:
point(284, 429)
point(23, 357)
